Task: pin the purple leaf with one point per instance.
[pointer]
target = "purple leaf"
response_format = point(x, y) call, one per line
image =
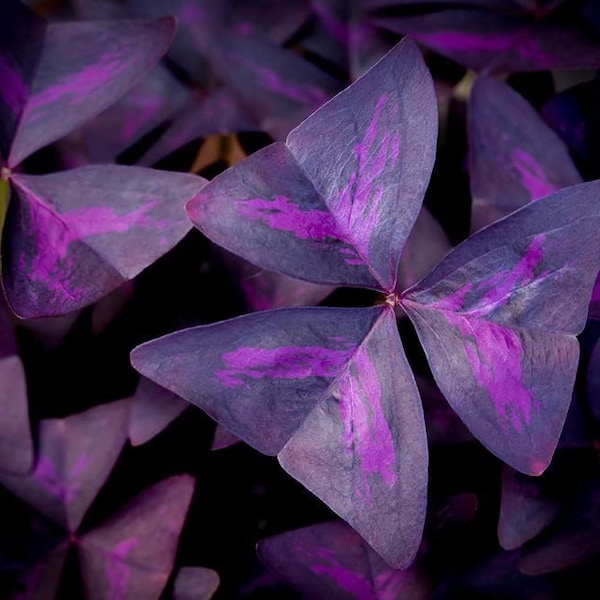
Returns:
point(107, 308)
point(525, 510)
point(83, 69)
point(80, 234)
point(334, 212)
point(21, 41)
point(370, 426)
point(42, 581)
point(503, 353)
point(16, 445)
point(223, 438)
point(259, 375)
point(195, 583)
point(331, 561)
point(514, 156)
point(152, 409)
point(75, 456)
point(501, 42)
point(131, 555)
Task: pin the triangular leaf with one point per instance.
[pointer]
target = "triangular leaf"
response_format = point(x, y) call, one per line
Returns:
point(84, 68)
point(195, 583)
point(75, 456)
point(259, 374)
point(42, 581)
point(514, 156)
point(131, 555)
point(80, 234)
point(363, 447)
point(496, 329)
point(331, 196)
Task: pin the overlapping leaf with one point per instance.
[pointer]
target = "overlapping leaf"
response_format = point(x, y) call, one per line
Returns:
point(514, 157)
point(335, 204)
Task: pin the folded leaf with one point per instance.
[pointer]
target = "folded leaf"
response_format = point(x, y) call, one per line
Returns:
point(343, 193)
point(131, 555)
point(497, 332)
point(363, 447)
point(259, 375)
point(514, 156)
point(80, 234)
point(75, 456)
point(84, 68)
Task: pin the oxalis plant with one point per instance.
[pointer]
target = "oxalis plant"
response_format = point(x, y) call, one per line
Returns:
point(329, 390)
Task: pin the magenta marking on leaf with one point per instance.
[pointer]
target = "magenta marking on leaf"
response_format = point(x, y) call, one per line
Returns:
point(497, 366)
point(117, 571)
point(280, 213)
point(13, 90)
point(365, 428)
point(80, 223)
point(358, 204)
point(532, 175)
point(345, 579)
point(285, 362)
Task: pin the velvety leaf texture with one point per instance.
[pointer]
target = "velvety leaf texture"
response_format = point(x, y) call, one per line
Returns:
point(499, 337)
point(75, 456)
point(331, 561)
point(259, 374)
point(84, 68)
point(339, 208)
point(82, 233)
point(514, 156)
point(131, 555)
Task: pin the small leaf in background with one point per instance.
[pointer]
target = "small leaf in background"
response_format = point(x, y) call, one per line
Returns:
point(331, 561)
point(75, 456)
point(525, 509)
point(152, 409)
point(98, 226)
point(514, 157)
point(195, 583)
point(131, 555)
point(16, 444)
point(223, 438)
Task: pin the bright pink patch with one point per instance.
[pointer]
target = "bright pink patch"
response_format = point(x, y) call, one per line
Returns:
point(354, 583)
point(284, 362)
point(117, 571)
point(283, 214)
point(366, 432)
point(533, 177)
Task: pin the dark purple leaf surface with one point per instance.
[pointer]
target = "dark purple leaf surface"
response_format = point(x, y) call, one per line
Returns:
point(259, 375)
point(500, 42)
point(21, 41)
point(514, 156)
point(75, 456)
point(331, 561)
point(131, 555)
point(82, 233)
point(42, 580)
point(223, 438)
point(370, 426)
point(83, 69)
point(152, 409)
point(525, 510)
point(503, 353)
point(16, 445)
point(317, 203)
point(195, 583)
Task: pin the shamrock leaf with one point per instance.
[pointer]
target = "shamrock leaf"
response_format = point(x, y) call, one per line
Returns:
point(330, 390)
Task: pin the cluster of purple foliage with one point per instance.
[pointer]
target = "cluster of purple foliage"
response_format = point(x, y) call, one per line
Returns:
point(179, 194)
